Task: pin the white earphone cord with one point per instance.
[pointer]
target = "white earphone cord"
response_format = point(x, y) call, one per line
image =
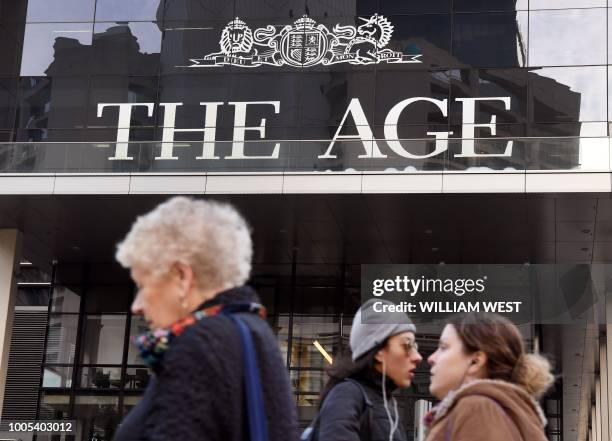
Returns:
point(393, 424)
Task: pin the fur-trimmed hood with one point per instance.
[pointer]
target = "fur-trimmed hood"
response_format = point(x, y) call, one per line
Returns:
point(479, 403)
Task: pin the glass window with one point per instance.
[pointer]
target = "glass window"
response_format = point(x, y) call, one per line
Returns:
point(552, 43)
point(489, 6)
point(101, 377)
point(65, 299)
point(57, 376)
point(97, 416)
point(137, 377)
point(110, 298)
point(131, 48)
point(128, 10)
point(491, 40)
point(138, 326)
point(54, 406)
point(61, 338)
point(103, 339)
point(60, 10)
point(32, 296)
point(56, 48)
point(315, 340)
point(29, 273)
point(129, 402)
point(566, 94)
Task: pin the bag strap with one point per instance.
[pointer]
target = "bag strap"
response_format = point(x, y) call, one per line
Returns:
point(258, 425)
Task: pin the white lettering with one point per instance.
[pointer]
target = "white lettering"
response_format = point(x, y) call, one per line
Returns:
point(469, 126)
point(123, 126)
point(392, 136)
point(209, 130)
point(240, 129)
point(364, 133)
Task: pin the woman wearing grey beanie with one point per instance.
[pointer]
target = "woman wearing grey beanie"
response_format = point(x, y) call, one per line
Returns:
point(356, 401)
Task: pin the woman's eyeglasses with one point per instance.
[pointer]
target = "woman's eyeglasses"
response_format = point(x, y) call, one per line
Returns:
point(410, 347)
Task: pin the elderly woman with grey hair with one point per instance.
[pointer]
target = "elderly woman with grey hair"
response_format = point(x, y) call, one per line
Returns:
point(190, 259)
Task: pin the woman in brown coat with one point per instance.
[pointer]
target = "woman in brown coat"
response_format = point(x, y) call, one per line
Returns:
point(488, 384)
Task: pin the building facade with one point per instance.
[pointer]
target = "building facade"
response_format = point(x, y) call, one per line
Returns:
point(347, 132)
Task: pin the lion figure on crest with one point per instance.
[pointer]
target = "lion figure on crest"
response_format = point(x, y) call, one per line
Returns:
point(236, 38)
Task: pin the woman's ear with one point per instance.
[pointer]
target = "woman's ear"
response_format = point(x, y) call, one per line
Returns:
point(185, 274)
point(478, 365)
point(379, 356)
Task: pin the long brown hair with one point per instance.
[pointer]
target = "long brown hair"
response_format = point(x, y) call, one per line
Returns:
point(502, 342)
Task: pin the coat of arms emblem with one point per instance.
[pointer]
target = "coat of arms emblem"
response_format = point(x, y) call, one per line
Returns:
point(305, 43)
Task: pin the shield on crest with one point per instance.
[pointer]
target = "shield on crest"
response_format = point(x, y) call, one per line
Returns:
point(301, 48)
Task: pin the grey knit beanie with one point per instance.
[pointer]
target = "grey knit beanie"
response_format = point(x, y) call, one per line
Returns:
point(371, 328)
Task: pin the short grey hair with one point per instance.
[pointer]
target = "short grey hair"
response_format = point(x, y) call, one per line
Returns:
point(211, 237)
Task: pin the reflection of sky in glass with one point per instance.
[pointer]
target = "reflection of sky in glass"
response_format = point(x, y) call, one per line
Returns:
point(147, 34)
point(60, 10)
point(561, 4)
point(558, 38)
point(39, 39)
point(589, 81)
point(126, 10)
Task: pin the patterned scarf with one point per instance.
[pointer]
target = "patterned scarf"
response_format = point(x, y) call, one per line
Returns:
point(154, 343)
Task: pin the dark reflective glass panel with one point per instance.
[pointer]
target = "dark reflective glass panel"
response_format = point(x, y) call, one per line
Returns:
point(552, 42)
point(186, 41)
point(324, 98)
point(393, 87)
point(278, 9)
point(129, 10)
point(8, 102)
point(390, 7)
point(11, 49)
point(133, 48)
point(489, 6)
point(325, 8)
point(52, 103)
point(197, 10)
point(567, 94)
point(56, 49)
point(427, 34)
point(121, 89)
point(490, 83)
point(491, 39)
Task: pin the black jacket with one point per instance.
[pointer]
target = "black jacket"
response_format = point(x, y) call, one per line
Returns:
point(342, 413)
point(198, 394)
